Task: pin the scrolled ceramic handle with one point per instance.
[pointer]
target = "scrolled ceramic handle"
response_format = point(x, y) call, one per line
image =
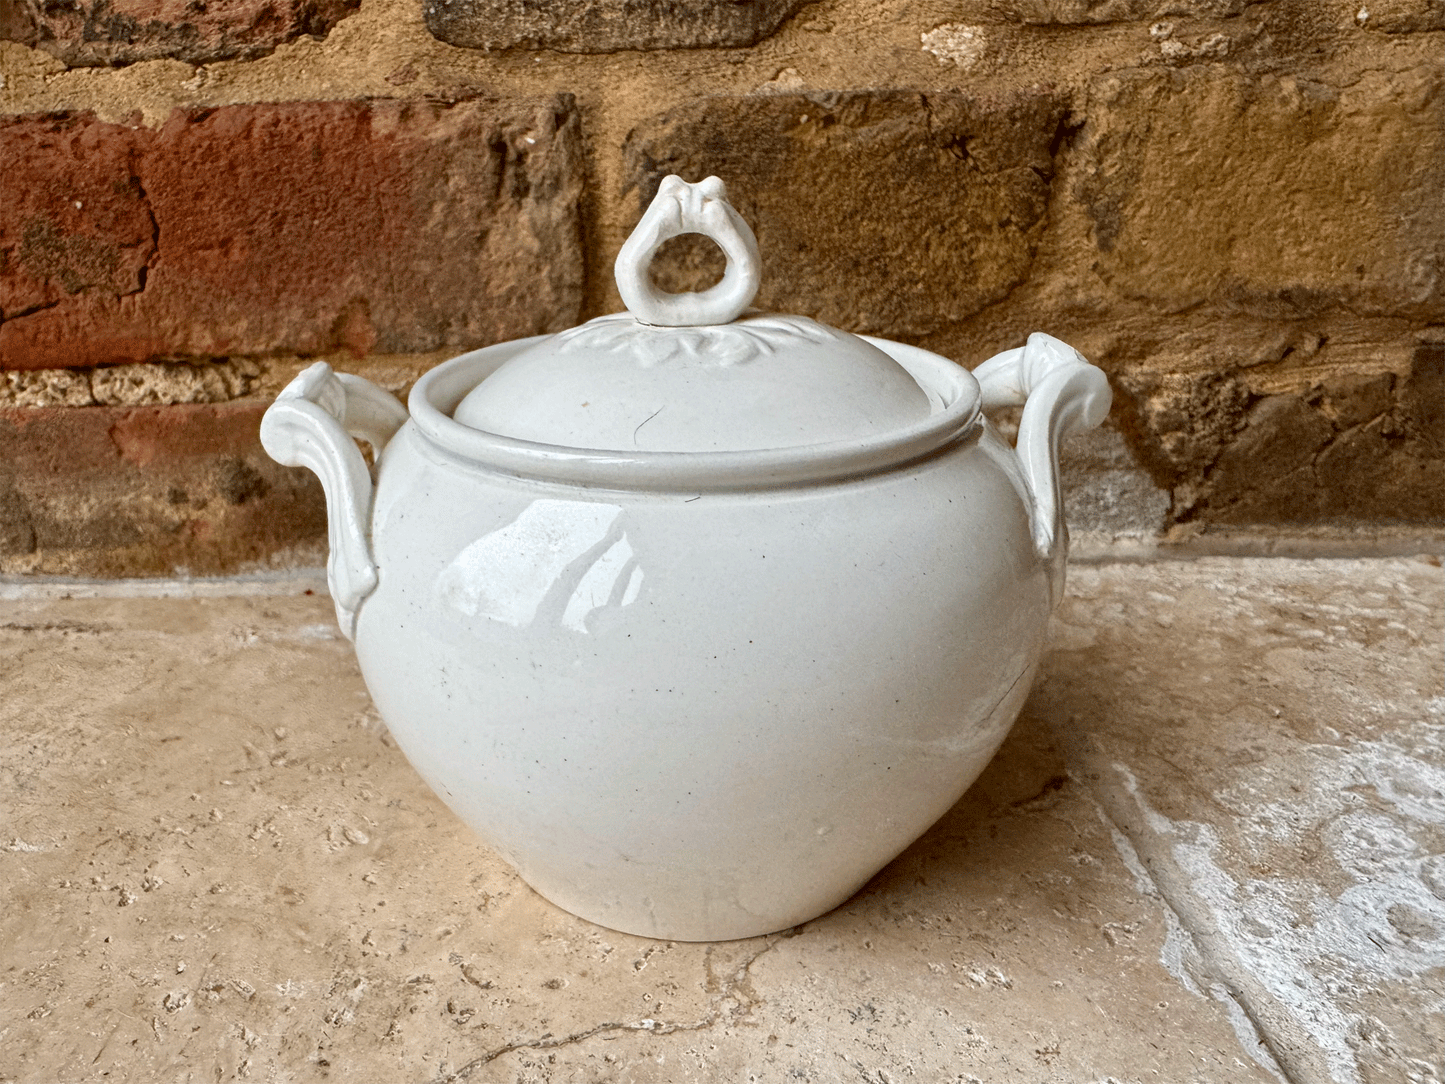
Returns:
point(680, 208)
point(311, 424)
point(1061, 393)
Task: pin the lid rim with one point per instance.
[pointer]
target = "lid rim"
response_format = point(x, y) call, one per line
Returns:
point(438, 393)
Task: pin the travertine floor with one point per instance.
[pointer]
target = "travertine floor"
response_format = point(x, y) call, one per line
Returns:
point(1212, 850)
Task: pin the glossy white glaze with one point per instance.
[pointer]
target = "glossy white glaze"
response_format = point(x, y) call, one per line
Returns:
point(699, 695)
point(680, 208)
point(762, 381)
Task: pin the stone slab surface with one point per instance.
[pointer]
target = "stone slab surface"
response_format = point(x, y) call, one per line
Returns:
point(111, 33)
point(374, 225)
point(604, 26)
point(1277, 759)
point(1210, 851)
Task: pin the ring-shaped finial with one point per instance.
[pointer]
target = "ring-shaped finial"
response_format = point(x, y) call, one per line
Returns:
point(680, 208)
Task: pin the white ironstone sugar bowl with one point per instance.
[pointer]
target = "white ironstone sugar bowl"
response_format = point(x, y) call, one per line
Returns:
point(698, 616)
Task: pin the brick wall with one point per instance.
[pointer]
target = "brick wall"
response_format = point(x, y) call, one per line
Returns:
point(1234, 207)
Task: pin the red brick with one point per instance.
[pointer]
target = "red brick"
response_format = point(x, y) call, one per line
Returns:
point(74, 222)
point(289, 228)
point(115, 32)
point(114, 491)
point(145, 435)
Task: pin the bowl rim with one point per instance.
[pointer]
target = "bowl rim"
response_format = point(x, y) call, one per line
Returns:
point(951, 389)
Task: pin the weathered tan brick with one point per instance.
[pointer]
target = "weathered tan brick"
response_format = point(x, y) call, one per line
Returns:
point(893, 212)
point(1401, 16)
point(1097, 12)
point(300, 227)
point(108, 491)
point(604, 26)
point(1273, 196)
point(1348, 448)
point(91, 33)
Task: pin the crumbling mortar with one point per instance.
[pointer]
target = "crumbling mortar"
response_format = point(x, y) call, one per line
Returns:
point(734, 990)
point(1198, 492)
point(155, 383)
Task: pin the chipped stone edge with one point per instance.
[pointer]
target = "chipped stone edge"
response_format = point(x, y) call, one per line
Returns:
point(1084, 550)
point(1338, 543)
point(255, 585)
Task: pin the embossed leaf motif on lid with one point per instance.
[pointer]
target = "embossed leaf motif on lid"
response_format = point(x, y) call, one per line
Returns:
point(695, 372)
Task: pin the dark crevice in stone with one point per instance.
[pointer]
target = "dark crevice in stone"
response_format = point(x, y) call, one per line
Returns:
point(90, 33)
point(606, 26)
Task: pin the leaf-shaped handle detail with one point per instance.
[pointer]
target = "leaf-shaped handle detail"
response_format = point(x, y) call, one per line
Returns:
point(311, 424)
point(1061, 393)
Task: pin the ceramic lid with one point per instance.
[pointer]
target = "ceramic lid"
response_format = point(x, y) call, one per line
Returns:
point(695, 372)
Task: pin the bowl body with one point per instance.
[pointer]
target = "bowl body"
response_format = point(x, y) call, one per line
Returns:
point(698, 616)
point(706, 714)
